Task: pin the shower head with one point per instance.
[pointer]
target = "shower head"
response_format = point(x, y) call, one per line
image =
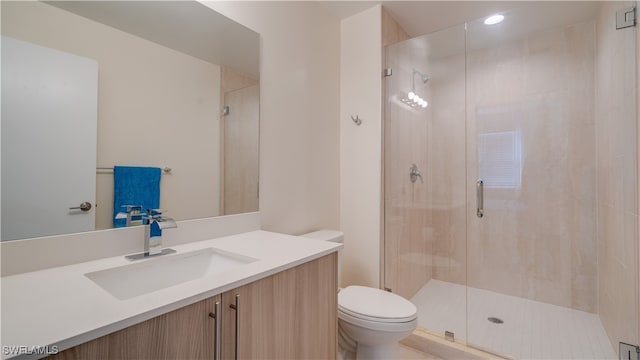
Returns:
point(423, 77)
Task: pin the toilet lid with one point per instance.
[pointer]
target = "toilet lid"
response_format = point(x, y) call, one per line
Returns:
point(375, 304)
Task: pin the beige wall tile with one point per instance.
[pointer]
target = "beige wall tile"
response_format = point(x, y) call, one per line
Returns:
point(616, 131)
point(537, 240)
point(425, 226)
point(392, 31)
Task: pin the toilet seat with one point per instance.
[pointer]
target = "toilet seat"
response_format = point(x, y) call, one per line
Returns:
point(370, 305)
point(385, 327)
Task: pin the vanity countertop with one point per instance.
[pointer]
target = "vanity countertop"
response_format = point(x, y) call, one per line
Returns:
point(62, 307)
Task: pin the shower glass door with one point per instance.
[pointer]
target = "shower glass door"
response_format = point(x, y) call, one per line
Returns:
point(551, 183)
point(510, 181)
point(424, 178)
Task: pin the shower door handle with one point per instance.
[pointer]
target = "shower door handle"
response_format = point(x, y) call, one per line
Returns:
point(480, 198)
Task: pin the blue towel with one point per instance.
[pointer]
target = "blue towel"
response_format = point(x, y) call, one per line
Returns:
point(134, 185)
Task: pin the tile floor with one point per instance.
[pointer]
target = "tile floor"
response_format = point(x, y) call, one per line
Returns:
point(407, 353)
point(531, 329)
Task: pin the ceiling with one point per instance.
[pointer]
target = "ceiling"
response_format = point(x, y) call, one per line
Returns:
point(423, 17)
point(214, 37)
point(186, 26)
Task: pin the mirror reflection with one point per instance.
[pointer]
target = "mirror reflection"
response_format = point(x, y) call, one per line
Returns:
point(163, 88)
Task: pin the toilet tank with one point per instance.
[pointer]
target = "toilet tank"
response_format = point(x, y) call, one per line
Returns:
point(326, 235)
point(329, 235)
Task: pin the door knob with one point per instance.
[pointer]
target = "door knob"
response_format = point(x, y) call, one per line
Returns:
point(85, 206)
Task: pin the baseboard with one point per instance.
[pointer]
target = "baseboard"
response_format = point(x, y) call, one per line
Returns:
point(436, 345)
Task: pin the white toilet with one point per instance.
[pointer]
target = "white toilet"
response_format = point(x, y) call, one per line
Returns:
point(370, 321)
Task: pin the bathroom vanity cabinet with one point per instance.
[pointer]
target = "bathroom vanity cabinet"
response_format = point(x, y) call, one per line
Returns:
point(186, 333)
point(291, 314)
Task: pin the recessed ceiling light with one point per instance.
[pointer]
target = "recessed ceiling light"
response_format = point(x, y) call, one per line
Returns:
point(493, 19)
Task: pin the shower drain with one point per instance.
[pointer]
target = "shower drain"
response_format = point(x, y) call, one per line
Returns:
point(495, 320)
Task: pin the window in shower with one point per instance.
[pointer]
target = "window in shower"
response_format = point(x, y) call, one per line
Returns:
point(500, 159)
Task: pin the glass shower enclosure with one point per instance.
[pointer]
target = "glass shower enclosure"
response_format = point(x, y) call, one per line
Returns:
point(510, 181)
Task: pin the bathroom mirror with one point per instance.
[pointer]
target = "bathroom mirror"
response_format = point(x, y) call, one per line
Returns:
point(173, 84)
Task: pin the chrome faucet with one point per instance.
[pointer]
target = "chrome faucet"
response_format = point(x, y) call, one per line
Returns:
point(134, 214)
point(154, 223)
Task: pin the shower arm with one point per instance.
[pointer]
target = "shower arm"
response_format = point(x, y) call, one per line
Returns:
point(424, 78)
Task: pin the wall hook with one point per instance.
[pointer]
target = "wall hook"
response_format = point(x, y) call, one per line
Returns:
point(356, 120)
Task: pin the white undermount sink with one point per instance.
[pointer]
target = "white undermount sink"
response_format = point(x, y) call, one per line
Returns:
point(125, 282)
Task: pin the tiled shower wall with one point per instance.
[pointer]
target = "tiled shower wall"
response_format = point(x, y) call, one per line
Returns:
point(616, 134)
point(447, 165)
point(407, 247)
point(537, 239)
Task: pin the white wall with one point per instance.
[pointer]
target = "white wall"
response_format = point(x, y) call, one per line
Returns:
point(299, 131)
point(142, 119)
point(361, 146)
point(299, 108)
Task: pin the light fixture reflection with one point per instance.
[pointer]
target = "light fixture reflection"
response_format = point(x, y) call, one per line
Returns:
point(412, 99)
point(494, 19)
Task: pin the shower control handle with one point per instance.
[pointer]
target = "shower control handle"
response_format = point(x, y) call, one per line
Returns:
point(414, 173)
point(480, 198)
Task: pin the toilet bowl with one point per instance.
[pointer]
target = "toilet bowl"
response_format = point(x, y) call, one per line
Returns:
point(375, 320)
point(370, 321)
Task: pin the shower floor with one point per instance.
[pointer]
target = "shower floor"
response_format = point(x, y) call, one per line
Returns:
point(531, 329)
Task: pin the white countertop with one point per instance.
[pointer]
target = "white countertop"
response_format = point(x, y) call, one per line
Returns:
point(60, 306)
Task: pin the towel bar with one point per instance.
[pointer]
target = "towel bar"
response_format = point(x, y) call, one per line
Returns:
point(109, 170)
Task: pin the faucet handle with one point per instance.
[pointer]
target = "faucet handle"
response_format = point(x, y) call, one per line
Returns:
point(163, 222)
point(155, 212)
point(132, 209)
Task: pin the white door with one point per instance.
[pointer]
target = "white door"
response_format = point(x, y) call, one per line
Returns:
point(49, 124)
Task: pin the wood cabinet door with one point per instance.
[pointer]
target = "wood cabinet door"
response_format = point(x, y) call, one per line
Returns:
point(289, 315)
point(191, 331)
point(186, 333)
